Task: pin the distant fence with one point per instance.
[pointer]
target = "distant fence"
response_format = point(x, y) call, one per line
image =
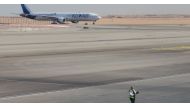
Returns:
point(21, 21)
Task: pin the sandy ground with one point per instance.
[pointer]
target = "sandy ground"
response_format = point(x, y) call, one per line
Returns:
point(144, 21)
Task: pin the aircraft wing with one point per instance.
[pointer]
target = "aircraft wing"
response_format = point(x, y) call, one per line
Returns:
point(49, 17)
point(54, 18)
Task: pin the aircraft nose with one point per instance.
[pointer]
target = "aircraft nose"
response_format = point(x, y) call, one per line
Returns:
point(99, 17)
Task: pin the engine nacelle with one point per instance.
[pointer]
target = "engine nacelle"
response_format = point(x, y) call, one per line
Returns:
point(61, 20)
point(74, 21)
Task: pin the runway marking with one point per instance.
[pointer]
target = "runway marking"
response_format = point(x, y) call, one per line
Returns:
point(63, 86)
point(176, 48)
point(123, 82)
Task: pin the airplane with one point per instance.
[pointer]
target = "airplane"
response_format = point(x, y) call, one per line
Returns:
point(60, 18)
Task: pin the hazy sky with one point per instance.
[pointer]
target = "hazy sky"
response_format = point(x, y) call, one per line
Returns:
point(127, 9)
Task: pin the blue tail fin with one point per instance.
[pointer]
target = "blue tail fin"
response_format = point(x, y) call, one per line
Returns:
point(25, 9)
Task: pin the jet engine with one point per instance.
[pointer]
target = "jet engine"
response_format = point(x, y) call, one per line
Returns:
point(74, 21)
point(61, 20)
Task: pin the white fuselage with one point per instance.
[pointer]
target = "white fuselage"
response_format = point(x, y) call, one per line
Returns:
point(68, 17)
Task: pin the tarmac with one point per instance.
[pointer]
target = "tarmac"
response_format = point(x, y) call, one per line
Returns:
point(96, 65)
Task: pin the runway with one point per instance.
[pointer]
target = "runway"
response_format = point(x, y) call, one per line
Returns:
point(96, 65)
